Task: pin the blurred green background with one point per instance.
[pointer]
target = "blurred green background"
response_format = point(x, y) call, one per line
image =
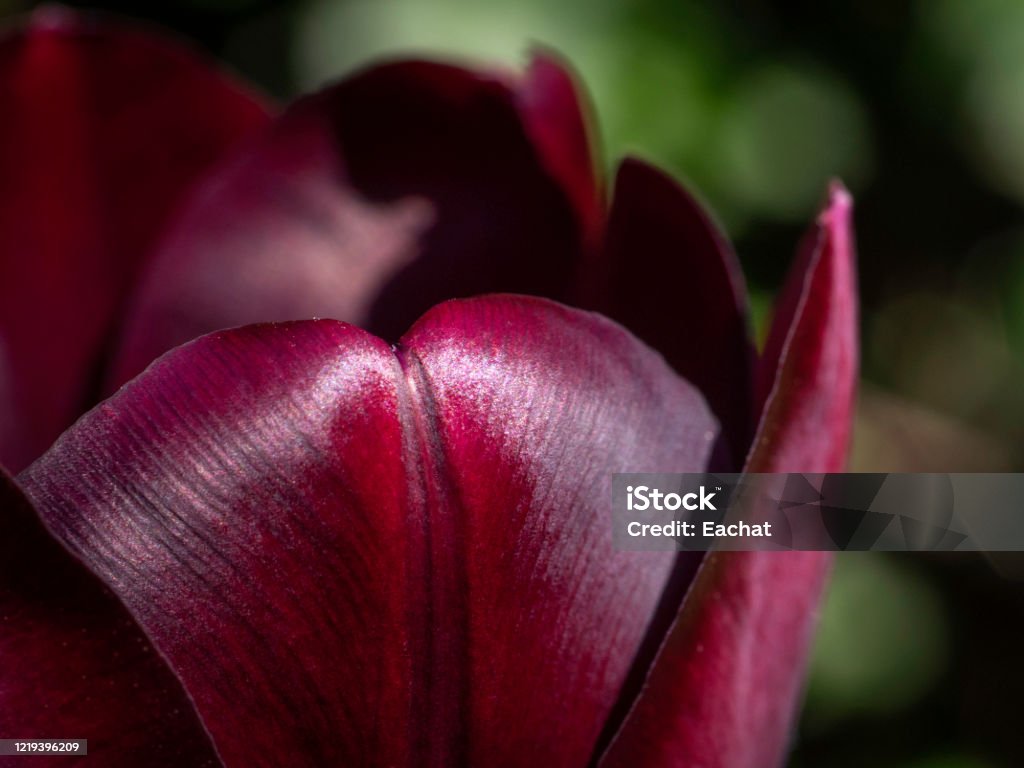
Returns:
point(919, 108)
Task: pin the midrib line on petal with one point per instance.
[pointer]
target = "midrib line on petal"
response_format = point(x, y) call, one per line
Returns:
point(438, 603)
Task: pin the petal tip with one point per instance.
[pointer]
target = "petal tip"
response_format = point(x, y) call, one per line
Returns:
point(543, 57)
point(840, 204)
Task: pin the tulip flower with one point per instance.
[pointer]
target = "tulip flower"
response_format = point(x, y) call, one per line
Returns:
point(381, 538)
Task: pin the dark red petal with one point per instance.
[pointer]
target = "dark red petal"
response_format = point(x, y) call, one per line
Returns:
point(75, 665)
point(724, 688)
point(559, 120)
point(671, 277)
point(808, 375)
point(534, 405)
point(245, 498)
point(400, 187)
point(104, 128)
point(357, 558)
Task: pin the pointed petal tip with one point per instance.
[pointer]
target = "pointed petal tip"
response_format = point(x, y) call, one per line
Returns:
point(542, 54)
point(836, 188)
point(838, 210)
point(809, 367)
point(837, 221)
point(545, 60)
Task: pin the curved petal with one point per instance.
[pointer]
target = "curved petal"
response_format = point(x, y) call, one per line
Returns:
point(103, 129)
point(75, 664)
point(671, 277)
point(559, 119)
point(352, 556)
point(404, 185)
point(724, 688)
point(245, 500)
point(534, 407)
point(808, 375)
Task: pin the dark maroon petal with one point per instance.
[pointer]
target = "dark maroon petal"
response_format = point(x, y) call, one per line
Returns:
point(724, 688)
point(671, 277)
point(359, 557)
point(400, 187)
point(75, 665)
point(559, 120)
point(103, 129)
point(534, 405)
point(246, 500)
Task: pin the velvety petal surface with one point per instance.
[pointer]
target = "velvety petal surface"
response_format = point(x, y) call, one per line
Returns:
point(370, 202)
point(104, 128)
point(76, 665)
point(724, 688)
point(359, 556)
point(671, 277)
